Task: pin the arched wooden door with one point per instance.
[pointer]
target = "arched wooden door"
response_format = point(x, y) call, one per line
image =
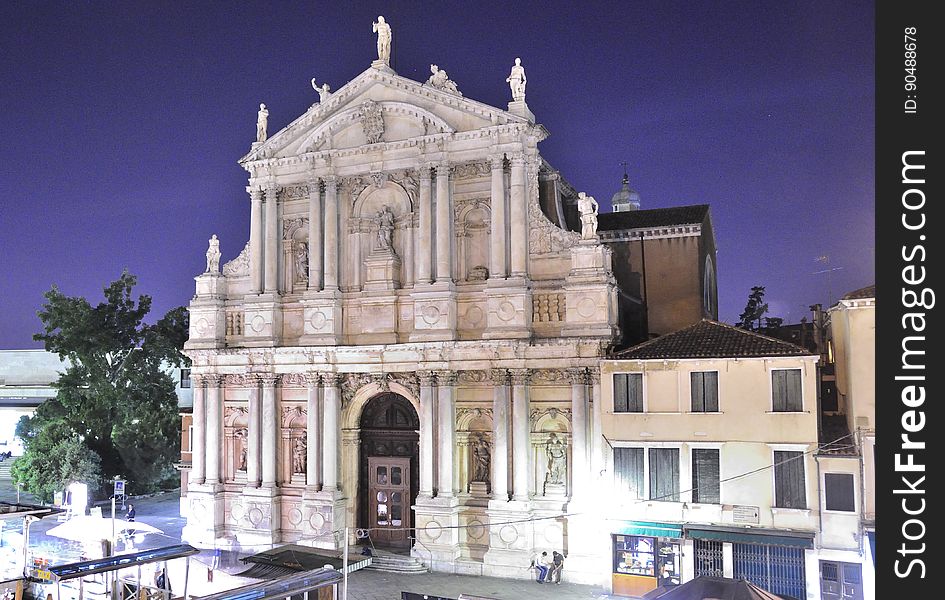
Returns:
point(389, 478)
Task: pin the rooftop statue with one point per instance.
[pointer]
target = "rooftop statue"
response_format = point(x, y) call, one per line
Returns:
point(324, 92)
point(213, 255)
point(262, 118)
point(516, 81)
point(441, 81)
point(587, 205)
point(382, 29)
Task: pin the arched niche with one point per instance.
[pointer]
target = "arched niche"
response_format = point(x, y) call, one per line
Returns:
point(473, 231)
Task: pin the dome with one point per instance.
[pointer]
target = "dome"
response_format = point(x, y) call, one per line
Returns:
point(625, 199)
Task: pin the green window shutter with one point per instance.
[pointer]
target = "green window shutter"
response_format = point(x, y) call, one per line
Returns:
point(705, 476)
point(620, 392)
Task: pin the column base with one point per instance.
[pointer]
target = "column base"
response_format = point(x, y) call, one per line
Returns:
point(257, 516)
point(323, 519)
point(322, 323)
point(262, 320)
point(511, 540)
point(434, 309)
point(206, 525)
point(437, 521)
point(508, 309)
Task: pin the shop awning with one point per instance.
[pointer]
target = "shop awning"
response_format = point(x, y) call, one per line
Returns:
point(871, 536)
point(650, 528)
point(772, 537)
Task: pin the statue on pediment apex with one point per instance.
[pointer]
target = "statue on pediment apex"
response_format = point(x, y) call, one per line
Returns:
point(213, 255)
point(383, 31)
point(262, 119)
point(516, 81)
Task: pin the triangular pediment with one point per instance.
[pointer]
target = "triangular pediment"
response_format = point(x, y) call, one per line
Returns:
point(379, 106)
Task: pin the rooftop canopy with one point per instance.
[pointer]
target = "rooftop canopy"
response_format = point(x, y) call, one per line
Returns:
point(120, 561)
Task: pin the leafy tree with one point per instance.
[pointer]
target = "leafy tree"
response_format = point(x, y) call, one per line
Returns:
point(773, 323)
point(115, 398)
point(754, 310)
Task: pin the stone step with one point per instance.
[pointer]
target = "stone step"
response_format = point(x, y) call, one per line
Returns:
point(389, 562)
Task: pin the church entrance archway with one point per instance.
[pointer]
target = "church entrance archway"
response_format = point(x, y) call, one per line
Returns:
point(389, 469)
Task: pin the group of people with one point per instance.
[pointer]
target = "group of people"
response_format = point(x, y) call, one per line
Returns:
point(549, 568)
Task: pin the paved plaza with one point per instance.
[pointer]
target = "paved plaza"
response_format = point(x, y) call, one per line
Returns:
point(162, 511)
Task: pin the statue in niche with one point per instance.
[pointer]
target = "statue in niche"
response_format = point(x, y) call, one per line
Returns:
point(372, 121)
point(382, 29)
point(299, 455)
point(385, 229)
point(213, 255)
point(441, 81)
point(262, 119)
point(516, 81)
point(557, 454)
point(324, 92)
point(301, 261)
point(482, 460)
point(587, 205)
point(240, 436)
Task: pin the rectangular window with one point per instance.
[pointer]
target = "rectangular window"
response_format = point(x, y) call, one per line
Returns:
point(664, 474)
point(838, 491)
point(789, 489)
point(185, 381)
point(786, 390)
point(704, 386)
point(628, 392)
point(705, 476)
point(628, 471)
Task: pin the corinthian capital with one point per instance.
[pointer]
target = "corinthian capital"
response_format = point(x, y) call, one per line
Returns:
point(446, 378)
point(427, 378)
point(577, 375)
point(520, 376)
point(268, 379)
point(499, 376)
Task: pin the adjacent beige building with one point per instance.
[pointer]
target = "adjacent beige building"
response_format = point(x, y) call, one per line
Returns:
point(714, 467)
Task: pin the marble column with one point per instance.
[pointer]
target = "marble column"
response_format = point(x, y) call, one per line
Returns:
point(521, 442)
point(424, 254)
point(316, 253)
point(497, 265)
point(579, 464)
point(331, 234)
point(330, 430)
point(427, 437)
point(214, 429)
point(518, 217)
point(500, 434)
point(255, 240)
point(253, 433)
point(595, 445)
point(270, 430)
point(446, 421)
point(271, 273)
point(198, 447)
point(444, 225)
point(312, 433)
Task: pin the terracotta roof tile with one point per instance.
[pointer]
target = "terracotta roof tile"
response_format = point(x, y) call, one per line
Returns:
point(711, 339)
point(864, 292)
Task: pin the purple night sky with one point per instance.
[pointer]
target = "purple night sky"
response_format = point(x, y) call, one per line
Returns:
point(125, 122)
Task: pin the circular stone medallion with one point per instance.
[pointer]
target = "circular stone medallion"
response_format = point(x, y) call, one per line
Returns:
point(586, 308)
point(258, 323)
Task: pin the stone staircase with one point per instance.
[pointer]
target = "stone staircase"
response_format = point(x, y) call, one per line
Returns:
point(5, 469)
point(390, 562)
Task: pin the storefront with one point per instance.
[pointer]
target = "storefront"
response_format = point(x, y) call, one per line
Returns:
point(645, 555)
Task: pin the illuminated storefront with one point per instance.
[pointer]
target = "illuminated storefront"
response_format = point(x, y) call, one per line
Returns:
point(645, 555)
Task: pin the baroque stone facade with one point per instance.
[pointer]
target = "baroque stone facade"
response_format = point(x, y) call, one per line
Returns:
point(398, 246)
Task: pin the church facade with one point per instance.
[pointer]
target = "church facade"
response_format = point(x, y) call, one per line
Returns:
point(407, 347)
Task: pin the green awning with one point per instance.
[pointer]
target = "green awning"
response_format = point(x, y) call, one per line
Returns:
point(772, 538)
point(667, 530)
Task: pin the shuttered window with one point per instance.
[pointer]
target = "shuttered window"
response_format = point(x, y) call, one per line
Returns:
point(786, 390)
point(704, 386)
point(664, 474)
point(789, 489)
point(628, 392)
point(628, 471)
point(838, 492)
point(705, 476)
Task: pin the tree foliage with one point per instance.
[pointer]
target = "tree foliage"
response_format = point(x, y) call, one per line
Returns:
point(115, 398)
point(754, 310)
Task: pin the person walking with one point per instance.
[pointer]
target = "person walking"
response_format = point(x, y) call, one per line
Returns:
point(557, 565)
point(131, 513)
point(541, 563)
